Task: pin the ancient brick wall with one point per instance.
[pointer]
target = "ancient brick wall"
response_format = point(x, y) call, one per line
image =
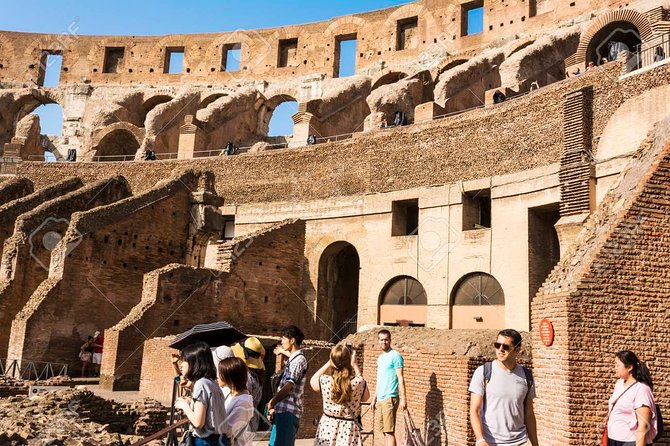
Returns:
point(257, 292)
point(14, 188)
point(476, 144)
point(97, 269)
point(26, 254)
point(286, 52)
point(607, 294)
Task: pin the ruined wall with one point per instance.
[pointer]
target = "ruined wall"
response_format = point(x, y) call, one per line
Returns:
point(439, 28)
point(26, 255)
point(14, 188)
point(608, 293)
point(97, 269)
point(476, 144)
point(256, 292)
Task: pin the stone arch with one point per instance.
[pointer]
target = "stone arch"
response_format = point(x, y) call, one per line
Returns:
point(387, 77)
point(518, 47)
point(338, 288)
point(450, 63)
point(477, 301)
point(26, 102)
point(152, 102)
point(209, 97)
point(345, 25)
point(266, 110)
point(403, 301)
point(638, 20)
point(117, 142)
point(6, 51)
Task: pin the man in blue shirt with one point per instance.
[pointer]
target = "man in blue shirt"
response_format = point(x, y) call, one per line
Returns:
point(390, 388)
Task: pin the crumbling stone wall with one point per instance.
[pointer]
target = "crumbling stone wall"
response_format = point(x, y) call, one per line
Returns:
point(607, 293)
point(14, 188)
point(263, 272)
point(26, 255)
point(97, 269)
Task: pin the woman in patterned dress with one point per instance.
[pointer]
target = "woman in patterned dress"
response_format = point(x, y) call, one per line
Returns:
point(343, 389)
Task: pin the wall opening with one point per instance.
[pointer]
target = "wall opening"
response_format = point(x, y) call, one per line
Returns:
point(543, 245)
point(281, 122)
point(407, 35)
point(231, 57)
point(113, 59)
point(405, 218)
point(345, 55)
point(477, 209)
point(51, 63)
point(119, 145)
point(612, 39)
point(403, 301)
point(152, 103)
point(337, 298)
point(51, 119)
point(472, 18)
point(477, 301)
point(174, 60)
point(288, 53)
point(228, 232)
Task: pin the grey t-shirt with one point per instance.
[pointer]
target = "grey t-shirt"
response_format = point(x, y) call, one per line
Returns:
point(209, 394)
point(503, 412)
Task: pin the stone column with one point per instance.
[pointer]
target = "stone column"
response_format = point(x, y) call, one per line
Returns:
point(304, 124)
point(190, 138)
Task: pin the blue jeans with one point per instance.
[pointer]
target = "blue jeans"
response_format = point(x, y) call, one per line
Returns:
point(284, 429)
point(212, 440)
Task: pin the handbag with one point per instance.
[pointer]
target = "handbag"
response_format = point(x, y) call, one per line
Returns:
point(412, 433)
point(604, 439)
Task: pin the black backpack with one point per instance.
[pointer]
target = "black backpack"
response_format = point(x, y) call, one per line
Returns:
point(659, 422)
point(488, 367)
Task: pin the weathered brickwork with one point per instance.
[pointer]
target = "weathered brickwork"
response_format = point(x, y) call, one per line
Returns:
point(607, 294)
point(26, 255)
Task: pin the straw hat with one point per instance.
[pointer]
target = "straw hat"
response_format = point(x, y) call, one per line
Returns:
point(251, 352)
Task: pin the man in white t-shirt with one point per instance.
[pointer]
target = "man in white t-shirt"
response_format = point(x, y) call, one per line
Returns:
point(501, 397)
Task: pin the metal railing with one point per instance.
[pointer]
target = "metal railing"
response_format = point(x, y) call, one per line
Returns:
point(32, 370)
point(652, 51)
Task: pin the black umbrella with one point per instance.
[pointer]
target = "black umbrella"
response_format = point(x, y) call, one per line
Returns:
point(215, 334)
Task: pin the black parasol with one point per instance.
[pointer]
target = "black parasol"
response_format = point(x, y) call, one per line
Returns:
point(215, 334)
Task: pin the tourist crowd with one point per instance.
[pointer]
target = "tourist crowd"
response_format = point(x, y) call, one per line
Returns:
point(226, 386)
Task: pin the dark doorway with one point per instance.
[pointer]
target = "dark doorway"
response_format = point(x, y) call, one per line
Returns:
point(337, 300)
point(543, 246)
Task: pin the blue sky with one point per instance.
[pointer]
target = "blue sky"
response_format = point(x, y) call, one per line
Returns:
point(125, 17)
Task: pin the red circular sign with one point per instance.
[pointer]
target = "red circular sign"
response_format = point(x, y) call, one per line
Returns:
point(546, 332)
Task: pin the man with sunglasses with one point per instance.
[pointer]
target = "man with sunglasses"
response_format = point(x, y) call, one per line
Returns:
point(501, 397)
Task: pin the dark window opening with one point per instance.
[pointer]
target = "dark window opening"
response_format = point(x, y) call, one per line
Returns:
point(472, 17)
point(345, 55)
point(174, 60)
point(407, 33)
point(231, 57)
point(405, 218)
point(49, 70)
point(478, 289)
point(113, 59)
point(228, 232)
point(288, 50)
point(477, 210)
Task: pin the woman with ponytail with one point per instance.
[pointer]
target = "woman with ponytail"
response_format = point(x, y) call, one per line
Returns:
point(632, 410)
point(343, 389)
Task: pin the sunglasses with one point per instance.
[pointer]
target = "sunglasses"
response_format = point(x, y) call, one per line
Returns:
point(505, 347)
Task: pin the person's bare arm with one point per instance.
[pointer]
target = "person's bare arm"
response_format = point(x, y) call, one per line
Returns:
point(531, 424)
point(476, 402)
point(643, 425)
point(314, 381)
point(195, 416)
point(401, 389)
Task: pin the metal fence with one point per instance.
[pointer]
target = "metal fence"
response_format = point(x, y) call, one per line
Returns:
point(650, 52)
point(32, 370)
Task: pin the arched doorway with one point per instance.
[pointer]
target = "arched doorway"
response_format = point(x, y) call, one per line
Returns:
point(337, 299)
point(611, 39)
point(118, 145)
point(281, 121)
point(477, 301)
point(403, 301)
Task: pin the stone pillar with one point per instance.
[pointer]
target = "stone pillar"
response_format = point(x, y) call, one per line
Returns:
point(427, 111)
point(304, 124)
point(190, 138)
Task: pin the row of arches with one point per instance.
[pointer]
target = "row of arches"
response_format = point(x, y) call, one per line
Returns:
point(402, 300)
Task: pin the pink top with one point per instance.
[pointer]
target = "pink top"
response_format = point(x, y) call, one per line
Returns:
point(622, 422)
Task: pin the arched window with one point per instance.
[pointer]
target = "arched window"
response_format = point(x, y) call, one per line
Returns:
point(478, 289)
point(403, 301)
point(281, 123)
point(404, 290)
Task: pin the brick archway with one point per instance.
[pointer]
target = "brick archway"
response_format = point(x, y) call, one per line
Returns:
point(640, 21)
